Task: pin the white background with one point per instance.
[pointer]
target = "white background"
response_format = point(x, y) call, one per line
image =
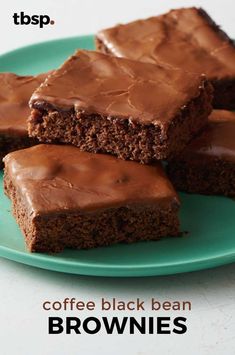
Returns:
point(23, 323)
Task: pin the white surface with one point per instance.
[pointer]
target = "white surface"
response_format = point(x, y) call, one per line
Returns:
point(78, 17)
point(23, 323)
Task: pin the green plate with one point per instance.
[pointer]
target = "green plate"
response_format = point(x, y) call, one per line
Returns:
point(210, 221)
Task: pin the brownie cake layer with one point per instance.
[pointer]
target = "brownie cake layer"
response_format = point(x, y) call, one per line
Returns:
point(15, 92)
point(137, 111)
point(207, 164)
point(65, 198)
point(186, 38)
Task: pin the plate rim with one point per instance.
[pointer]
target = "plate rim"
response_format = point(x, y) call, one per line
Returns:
point(45, 261)
point(38, 44)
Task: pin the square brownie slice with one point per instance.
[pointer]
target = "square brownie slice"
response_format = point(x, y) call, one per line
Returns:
point(65, 198)
point(207, 164)
point(137, 111)
point(186, 38)
point(15, 92)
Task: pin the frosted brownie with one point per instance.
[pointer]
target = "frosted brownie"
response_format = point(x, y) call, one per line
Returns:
point(186, 38)
point(207, 164)
point(137, 111)
point(15, 92)
point(65, 198)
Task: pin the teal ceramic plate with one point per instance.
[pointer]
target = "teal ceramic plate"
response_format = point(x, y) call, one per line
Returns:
point(210, 221)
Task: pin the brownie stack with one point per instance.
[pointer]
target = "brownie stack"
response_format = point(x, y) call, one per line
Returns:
point(189, 39)
point(146, 98)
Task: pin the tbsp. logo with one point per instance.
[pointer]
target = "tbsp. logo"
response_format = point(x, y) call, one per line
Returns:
point(23, 19)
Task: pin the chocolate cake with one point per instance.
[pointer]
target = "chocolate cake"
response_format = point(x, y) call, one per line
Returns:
point(15, 92)
point(137, 111)
point(65, 198)
point(186, 38)
point(207, 164)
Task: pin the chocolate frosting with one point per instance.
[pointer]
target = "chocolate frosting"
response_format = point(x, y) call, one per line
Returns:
point(55, 178)
point(216, 141)
point(186, 38)
point(14, 97)
point(95, 83)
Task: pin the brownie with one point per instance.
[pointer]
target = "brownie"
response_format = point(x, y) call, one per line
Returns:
point(15, 92)
point(65, 198)
point(136, 111)
point(186, 38)
point(207, 164)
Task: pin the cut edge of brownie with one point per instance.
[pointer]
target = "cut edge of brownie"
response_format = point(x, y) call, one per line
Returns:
point(53, 232)
point(209, 177)
point(224, 93)
point(127, 139)
point(10, 143)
